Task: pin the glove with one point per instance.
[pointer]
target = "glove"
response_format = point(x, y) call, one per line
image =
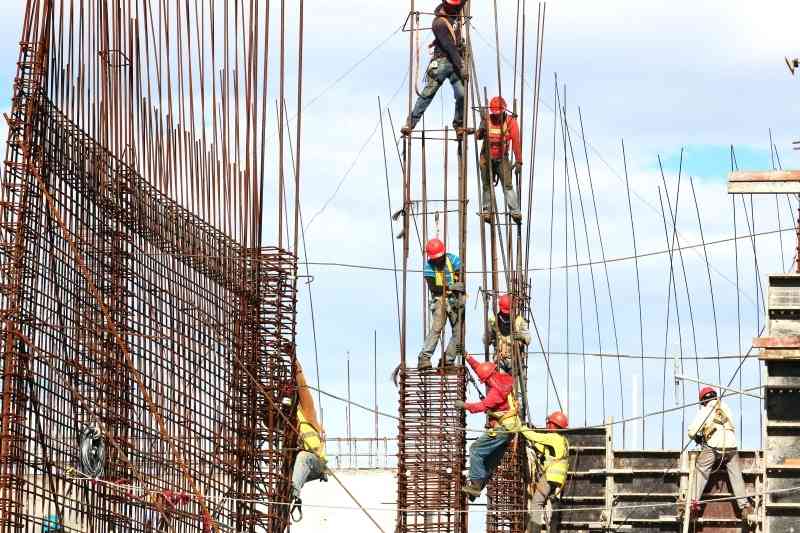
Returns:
point(459, 404)
point(698, 438)
point(518, 166)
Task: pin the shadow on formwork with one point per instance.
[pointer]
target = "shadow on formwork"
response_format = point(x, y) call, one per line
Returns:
point(147, 356)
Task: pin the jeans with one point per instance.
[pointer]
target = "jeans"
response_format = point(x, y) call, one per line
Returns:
point(451, 310)
point(502, 168)
point(711, 460)
point(439, 69)
point(485, 455)
point(307, 467)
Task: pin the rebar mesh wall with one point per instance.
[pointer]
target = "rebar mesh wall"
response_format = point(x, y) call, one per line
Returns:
point(202, 324)
point(507, 492)
point(431, 452)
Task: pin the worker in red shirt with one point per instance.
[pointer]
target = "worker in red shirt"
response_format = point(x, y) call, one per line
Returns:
point(486, 453)
point(498, 131)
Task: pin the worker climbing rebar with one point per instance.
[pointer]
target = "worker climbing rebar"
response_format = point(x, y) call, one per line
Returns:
point(442, 273)
point(486, 453)
point(501, 335)
point(311, 462)
point(498, 130)
point(447, 63)
point(550, 463)
point(713, 429)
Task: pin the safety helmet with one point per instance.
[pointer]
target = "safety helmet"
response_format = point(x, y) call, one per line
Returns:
point(485, 370)
point(707, 391)
point(558, 419)
point(454, 2)
point(505, 304)
point(497, 105)
point(434, 249)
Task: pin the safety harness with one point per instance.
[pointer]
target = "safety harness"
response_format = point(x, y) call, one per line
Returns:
point(717, 420)
point(438, 277)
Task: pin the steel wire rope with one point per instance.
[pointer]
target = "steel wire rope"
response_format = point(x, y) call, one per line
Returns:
point(394, 509)
point(670, 284)
point(638, 285)
point(599, 156)
point(308, 271)
point(673, 213)
point(389, 205)
point(552, 224)
point(353, 164)
point(605, 264)
point(567, 202)
point(589, 255)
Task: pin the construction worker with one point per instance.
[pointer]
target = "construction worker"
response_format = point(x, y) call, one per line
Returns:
point(500, 334)
point(447, 64)
point(503, 420)
point(551, 449)
point(442, 272)
point(311, 461)
point(498, 131)
point(712, 428)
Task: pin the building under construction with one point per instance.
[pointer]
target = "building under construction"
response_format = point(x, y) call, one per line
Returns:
point(149, 362)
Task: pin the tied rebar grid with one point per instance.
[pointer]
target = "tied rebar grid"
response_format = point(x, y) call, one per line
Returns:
point(431, 452)
point(507, 491)
point(208, 325)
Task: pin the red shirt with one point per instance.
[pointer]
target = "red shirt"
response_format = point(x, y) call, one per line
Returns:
point(498, 387)
point(499, 135)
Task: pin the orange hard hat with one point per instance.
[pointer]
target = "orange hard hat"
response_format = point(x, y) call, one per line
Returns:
point(434, 249)
point(505, 303)
point(558, 419)
point(485, 370)
point(707, 391)
point(497, 105)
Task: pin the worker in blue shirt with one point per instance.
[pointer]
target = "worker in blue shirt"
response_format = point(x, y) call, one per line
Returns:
point(442, 273)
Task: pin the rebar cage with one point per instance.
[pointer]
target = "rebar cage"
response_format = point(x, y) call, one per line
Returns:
point(137, 335)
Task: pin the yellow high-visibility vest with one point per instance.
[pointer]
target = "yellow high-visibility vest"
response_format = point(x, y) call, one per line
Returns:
point(439, 274)
point(554, 448)
point(309, 437)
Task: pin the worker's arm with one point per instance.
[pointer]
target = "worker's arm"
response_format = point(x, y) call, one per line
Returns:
point(521, 332)
point(516, 142)
point(700, 419)
point(456, 261)
point(552, 440)
point(442, 33)
point(481, 131)
point(490, 337)
point(492, 402)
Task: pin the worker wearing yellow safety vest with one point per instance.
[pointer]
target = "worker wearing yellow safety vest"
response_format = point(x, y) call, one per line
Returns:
point(713, 429)
point(311, 461)
point(502, 336)
point(442, 273)
point(552, 456)
point(499, 404)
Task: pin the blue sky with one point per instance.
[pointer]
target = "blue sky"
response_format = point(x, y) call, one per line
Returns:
point(660, 75)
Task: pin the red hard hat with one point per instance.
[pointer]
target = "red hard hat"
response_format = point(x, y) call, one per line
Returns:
point(497, 105)
point(505, 304)
point(453, 2)
point(705, 391)
point(558, 419)
point(434, 249)
point(485, 370)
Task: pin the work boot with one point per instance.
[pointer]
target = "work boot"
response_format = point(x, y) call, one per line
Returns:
point(486, 216)
point(461, 131)
point(517, 217)
point(472, 489)
point(406, 129)
point(424, 363)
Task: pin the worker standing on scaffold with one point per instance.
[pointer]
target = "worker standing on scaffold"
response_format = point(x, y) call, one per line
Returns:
point(502, 336)
point(442, 272)
point(499, 130)
point(447, 64)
